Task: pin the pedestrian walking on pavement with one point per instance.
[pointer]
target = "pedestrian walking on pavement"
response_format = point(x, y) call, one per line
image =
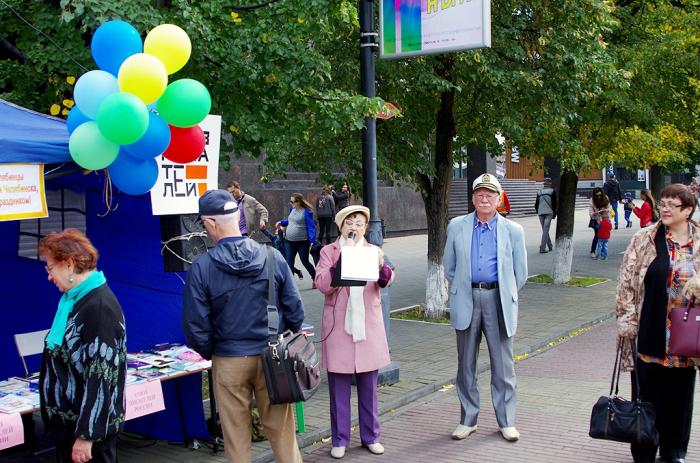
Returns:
point(660, 270)
point(485, 263)
point(546, 210)
point(253, 214)
point(646, 211)
point(603, 235)
point(599, 203)
point(612, 190)
point(325, 211)
point(353, 335)
point(628, 206)
point(224, 318)
point(300, 232)
point(342, 198)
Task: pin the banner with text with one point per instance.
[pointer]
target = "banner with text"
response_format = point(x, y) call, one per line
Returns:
point(179, 186)
point(422, 27)
point(22, 194)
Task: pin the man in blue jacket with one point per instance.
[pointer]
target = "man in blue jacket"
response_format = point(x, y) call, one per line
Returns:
point(224, 318)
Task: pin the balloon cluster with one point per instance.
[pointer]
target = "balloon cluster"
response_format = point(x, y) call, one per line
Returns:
point(126, 114)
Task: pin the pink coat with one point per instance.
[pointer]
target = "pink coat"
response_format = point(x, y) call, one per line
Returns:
point(340, 353)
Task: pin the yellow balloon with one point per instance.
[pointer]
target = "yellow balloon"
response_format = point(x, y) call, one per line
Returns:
point(144, 76)
point(170, 44)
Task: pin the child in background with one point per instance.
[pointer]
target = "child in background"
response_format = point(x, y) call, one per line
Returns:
point(277, 241)
point(629, 207)
point(603, 234)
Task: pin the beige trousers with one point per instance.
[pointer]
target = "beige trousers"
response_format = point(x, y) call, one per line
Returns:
point(236, 379)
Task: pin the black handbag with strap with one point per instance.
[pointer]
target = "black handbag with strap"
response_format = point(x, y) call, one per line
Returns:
point(290, 364)
point(618, 419)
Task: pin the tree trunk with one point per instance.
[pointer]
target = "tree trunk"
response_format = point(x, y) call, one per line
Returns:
point(564, 245)
point(435, 194)
point(656, 181)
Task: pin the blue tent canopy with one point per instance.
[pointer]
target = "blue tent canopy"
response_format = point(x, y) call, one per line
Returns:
point(30, 137)
point(128, 240)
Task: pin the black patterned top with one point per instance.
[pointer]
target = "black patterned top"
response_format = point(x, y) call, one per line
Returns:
point(82, 381)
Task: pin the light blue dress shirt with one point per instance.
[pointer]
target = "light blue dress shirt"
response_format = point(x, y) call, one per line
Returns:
point(484, 255)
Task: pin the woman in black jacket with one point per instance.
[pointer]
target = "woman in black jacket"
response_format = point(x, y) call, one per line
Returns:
point(83, 370)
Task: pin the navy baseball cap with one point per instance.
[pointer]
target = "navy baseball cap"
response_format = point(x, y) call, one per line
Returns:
point(217, 202)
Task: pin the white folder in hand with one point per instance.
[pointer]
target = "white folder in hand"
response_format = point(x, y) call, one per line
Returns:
point(359, 263)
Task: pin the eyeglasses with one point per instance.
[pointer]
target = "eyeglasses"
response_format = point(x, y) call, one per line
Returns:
point(350, 223)
point(48, 268)
point(669, 206)
point(293, 201)
point(486, 197)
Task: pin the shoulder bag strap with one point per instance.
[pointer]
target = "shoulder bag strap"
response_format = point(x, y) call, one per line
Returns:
point(272, 314)
point(615, 381)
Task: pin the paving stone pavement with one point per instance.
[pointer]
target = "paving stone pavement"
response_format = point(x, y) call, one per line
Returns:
point(556, 390)
point(426, 352)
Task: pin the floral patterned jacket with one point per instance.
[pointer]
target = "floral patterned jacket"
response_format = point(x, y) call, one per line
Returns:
point(630, 288)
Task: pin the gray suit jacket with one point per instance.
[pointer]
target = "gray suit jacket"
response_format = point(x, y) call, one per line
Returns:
point(512, 269)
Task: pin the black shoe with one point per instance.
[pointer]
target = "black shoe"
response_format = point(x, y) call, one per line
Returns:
point(298, 273)
point(615, 226)
point(543, 251)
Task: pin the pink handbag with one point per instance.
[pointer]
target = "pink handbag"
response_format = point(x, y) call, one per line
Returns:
point(685, 331)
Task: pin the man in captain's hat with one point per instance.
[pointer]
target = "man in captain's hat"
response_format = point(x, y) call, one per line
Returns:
point(485, 264)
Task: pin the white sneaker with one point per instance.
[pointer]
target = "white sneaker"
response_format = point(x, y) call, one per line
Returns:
point(376, 448)
point(462, 432)
point(338, 452)
point(510, 433)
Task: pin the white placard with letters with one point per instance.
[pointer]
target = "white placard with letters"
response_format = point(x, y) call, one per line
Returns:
point(179, 186)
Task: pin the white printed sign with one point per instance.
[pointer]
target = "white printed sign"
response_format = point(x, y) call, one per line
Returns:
point(143, 398)
point(179, 186)
point(22, 194)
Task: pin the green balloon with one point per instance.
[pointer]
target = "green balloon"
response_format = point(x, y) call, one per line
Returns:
point(90, 149)
point(122, 118)
point(185, 103)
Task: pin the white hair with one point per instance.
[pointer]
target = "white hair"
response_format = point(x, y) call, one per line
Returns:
point(224, 219)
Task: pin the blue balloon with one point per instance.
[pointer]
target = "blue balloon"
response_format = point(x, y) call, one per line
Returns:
point(91, 88)
point(154, 141)
point(75, 118)
point(133, 176)
point(113, 42)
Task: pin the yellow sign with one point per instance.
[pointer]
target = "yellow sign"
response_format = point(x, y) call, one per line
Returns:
point(22, 194)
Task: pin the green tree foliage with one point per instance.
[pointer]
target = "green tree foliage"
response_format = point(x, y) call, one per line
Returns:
point(267, 76)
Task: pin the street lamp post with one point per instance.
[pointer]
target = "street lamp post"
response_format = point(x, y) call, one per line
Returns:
point(368, 43)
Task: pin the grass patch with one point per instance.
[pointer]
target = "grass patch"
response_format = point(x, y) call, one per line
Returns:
point(584, 282)
point(542, 278)
point(581, 282)
point(418, 313)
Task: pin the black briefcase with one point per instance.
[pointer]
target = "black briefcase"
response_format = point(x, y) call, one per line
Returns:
point(617, 419)
point(290, 364)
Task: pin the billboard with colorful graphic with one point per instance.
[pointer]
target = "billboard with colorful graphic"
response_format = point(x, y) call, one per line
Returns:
point(422, 27)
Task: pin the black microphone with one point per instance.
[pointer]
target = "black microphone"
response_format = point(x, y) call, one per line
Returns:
point(351, 235)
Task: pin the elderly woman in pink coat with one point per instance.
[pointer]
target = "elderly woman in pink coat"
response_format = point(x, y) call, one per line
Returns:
point(353, 336)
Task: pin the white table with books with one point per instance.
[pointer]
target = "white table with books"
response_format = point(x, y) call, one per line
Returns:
point(143, 393)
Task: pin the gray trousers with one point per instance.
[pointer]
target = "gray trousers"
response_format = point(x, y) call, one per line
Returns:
point(546, 241)
point(487, 318)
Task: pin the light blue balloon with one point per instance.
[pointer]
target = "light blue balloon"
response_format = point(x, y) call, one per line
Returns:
point(75, 118)
point(154, 142)
point(112, 43)
point(133, 176)
point(93, 87)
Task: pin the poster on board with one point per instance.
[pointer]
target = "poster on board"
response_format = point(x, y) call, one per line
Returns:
point(423, 27)
point(179, 186)
point(22, 194)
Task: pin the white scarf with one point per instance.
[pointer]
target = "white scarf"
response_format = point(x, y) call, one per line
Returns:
point(355, 313)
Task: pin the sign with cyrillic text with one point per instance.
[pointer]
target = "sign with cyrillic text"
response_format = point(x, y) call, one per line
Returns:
point(179, 186)
point(22, 194)
point(11, 430)
point(423, 27)
point(143, 398)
